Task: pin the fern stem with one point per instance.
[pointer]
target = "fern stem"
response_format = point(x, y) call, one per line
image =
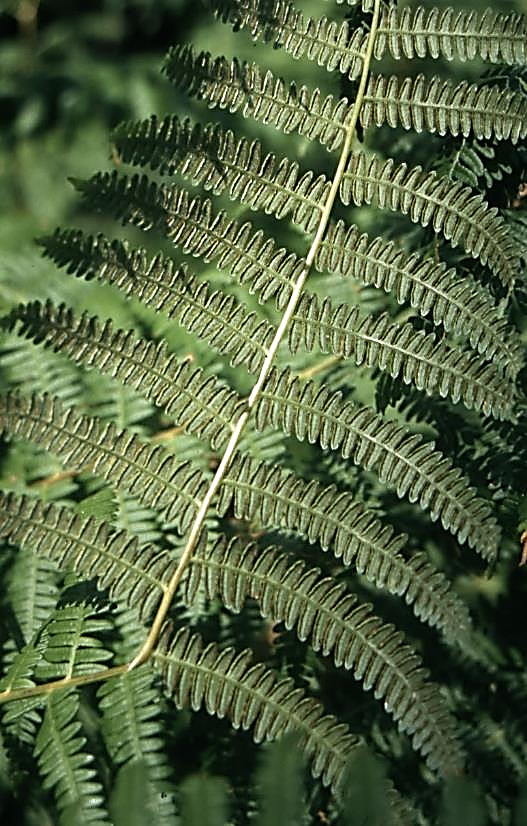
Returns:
point(147, 648)
point(292, 304)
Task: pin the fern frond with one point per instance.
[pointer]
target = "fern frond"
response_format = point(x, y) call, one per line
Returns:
point(191, 224)
point(461, 305)
point(279, 784)
point(252, 696)
point(132, 728)
point(336, 623)
point(439, 106)
point(64, 764)
point(401, 350)
point(214, 159)
point(181, 389)
point(88, 547)
point(427, 198)
point(273, 497)
point(118, 456)
point(72, 646)
point(228, 326)
point(459, 34)
point(333, 45)
point(403, 33)
point(217, 160)
point(402, 460)
point(19, 674)
point(420, 103)
point(231, 329)
point(257, 93)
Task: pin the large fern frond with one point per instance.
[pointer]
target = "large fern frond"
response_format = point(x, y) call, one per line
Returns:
point(338, 624)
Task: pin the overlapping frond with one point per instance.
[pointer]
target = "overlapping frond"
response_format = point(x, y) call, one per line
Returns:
point(88, 547)
point(420, 103)
point(226, 324)
point(252, 696)
point(336, 623)
point(132, 728)
point(72, 644)
point(191, 223)
point(65, 764)
point(451, 208)
point(219, 161)
point(403, 33)
point(174, 384)
point(246, 88)
point(118, 456)
point(404, 461)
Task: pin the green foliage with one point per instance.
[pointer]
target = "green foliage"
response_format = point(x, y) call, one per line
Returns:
point(335, 595)
point(360, 805)
point(279, 781)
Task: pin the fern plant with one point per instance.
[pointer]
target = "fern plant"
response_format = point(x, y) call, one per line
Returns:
point(180, 492)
